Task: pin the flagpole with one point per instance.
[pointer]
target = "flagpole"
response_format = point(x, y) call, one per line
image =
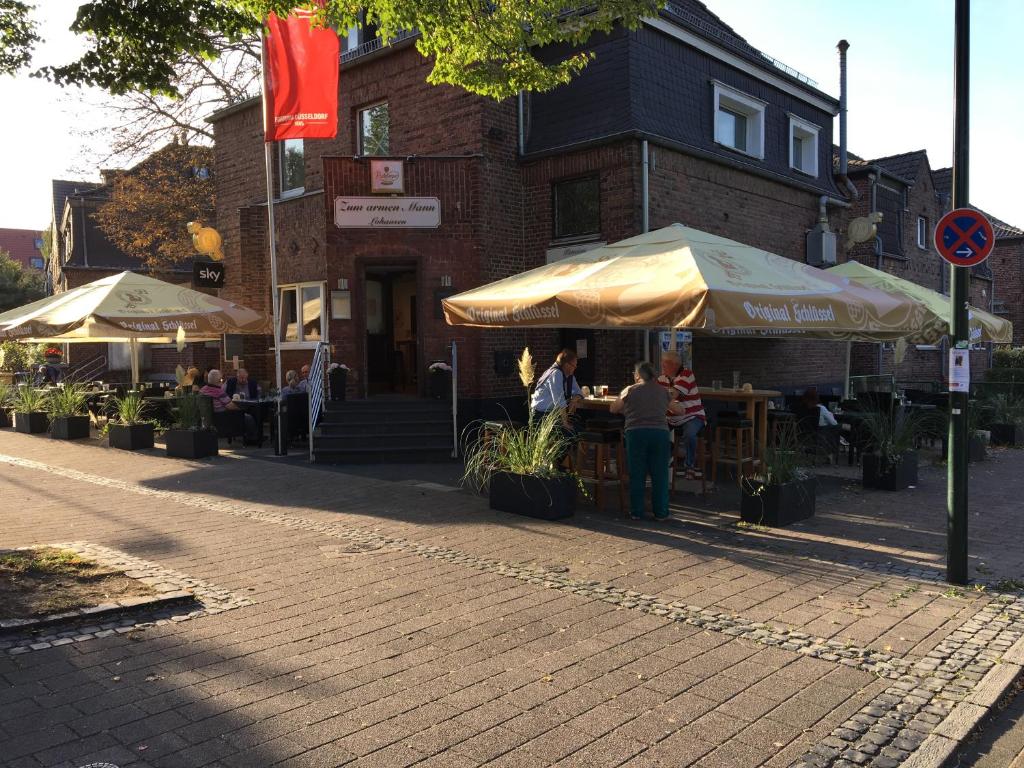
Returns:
point(275, 299)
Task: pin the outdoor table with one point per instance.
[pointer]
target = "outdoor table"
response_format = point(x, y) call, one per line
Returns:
point(755, 404)
point(596, 403)
point(260, 409)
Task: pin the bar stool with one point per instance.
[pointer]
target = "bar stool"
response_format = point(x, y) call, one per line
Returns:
point(604, 444)
point(703, 456)
point(777, 422)
point(733, 435)
point(492, 429)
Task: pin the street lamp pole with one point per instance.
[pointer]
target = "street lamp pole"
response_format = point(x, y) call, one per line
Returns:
point(956, 531)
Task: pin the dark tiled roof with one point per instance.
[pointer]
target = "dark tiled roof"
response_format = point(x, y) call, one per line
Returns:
point(20, 244)
point(943, 181)
point(905, 165)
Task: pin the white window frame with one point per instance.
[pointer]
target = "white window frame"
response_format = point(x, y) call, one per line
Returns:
point(749, 107)
point(808, 133)
point(301, 342)
point(294, 191)
point(359, 127)
point(922, 232)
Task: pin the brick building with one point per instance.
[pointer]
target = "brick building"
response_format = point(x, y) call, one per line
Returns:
point(1006, 263)
point(904, 189)
point(726, 139)
point(24, 246)
point(82, 253)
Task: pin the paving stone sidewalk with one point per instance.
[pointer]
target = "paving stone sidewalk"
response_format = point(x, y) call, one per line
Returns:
point(397, 624)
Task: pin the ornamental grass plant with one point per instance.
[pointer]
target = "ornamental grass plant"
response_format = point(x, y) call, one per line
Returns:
point(68, 399)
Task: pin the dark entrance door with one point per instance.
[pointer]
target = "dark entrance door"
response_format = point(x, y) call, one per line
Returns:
point(391, 332)
point(581, 341)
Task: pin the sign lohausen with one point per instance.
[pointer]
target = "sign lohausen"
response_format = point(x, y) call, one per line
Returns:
point(387, 213)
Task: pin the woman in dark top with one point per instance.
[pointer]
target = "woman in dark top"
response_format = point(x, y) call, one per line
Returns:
point(647, 446)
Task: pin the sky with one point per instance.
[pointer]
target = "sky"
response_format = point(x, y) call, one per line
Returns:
point(900, 81)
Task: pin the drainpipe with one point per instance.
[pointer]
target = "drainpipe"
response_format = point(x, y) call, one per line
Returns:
point(85, 240)
point(650, 336)
point(522, 127)
point(843, 167)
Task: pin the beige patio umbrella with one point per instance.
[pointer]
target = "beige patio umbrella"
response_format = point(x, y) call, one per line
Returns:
point(132, 308)
point(679, 277)
point(984, 326)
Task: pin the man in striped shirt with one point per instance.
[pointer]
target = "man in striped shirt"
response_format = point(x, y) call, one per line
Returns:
point(682, 381)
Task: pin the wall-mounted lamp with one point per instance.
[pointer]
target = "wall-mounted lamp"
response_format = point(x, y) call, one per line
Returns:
point(446, 281)
point(342, 283)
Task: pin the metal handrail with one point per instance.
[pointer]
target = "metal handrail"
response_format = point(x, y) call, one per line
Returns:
point(315, 389)
point(88, 370)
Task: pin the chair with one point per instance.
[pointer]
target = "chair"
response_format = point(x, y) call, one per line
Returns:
point(778, 420)
point(704, 454)
point(296, 416)
point(813, 437)
point(734, 434)
point(603, 443)
point(229, 424)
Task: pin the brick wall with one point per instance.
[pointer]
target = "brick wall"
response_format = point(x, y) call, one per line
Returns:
point(1007, 264)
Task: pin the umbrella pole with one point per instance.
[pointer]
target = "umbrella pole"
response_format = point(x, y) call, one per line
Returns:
point(133, 345)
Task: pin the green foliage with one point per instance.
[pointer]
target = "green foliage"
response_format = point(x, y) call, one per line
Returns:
point(68, 399)
point(29, 399)
point(1002, 408)
point(781, 463)
point(187, 414)
point(131, 409)
point(17, 36)
point(18, 286)
point(891, 433)
point(487, 48)
point(1008, 357)
point(6, 393)
point(534, 449)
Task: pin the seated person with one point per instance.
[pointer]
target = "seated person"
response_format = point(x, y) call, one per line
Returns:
point(292, 384)
point(241, 383)
point(682, 383)
point(303, 385)
point(222, 402)
point(811, 403)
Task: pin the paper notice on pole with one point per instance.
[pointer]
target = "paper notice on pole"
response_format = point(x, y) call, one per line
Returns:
point(959, 370)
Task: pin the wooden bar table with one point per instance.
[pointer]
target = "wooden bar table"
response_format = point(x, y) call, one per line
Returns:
point(755, 404)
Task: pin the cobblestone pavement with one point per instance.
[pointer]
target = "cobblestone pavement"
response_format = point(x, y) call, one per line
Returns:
point(400, 623)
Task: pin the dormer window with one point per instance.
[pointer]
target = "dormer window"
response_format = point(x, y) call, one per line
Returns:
point(739, 121)
point(803, 146)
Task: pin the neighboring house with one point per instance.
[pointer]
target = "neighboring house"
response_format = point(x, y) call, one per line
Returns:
point(903, 189)
point(82, 253)
point(729, 141)
point(24, 246)
point(1006, 263)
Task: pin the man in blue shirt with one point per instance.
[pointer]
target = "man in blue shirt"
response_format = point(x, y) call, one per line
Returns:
point(557, 388)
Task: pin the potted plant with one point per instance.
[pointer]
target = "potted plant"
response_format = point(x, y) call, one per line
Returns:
point(781, 492)
point(890, 463)
point(188, 438)
point(14, 358)
point(440, 380)
point(30, 406)
point(520, 467)
point(1004, 413)
point(129, 430)
point(337, 379)
point(69, 418)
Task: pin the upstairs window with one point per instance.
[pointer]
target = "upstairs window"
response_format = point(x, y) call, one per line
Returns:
point(803, 146)
point(739, 121)
point(922, 232)
point(890, 229)
point(374, 126)
point(36, 262)
point(302, 312)
point(577, 207)
point(293, 167)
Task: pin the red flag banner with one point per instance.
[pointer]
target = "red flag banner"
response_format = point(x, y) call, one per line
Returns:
point(300, 71)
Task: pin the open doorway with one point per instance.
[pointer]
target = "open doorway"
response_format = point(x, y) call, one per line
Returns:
point(391, 348)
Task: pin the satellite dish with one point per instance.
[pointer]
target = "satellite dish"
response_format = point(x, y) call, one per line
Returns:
point(863, 229)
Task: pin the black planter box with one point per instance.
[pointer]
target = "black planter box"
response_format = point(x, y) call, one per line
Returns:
point(778, 505)
point(440, 385)
point(5, 419)
point(69, 427)
point(877, 473)
point(545, 498)
point(130, 437)
point(336, 381)
point(191, 443)
point(33, 423)
point(976, 449)
point(1004, 434)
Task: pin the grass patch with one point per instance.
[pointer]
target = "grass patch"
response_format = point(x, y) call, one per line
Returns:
point(41, 581)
